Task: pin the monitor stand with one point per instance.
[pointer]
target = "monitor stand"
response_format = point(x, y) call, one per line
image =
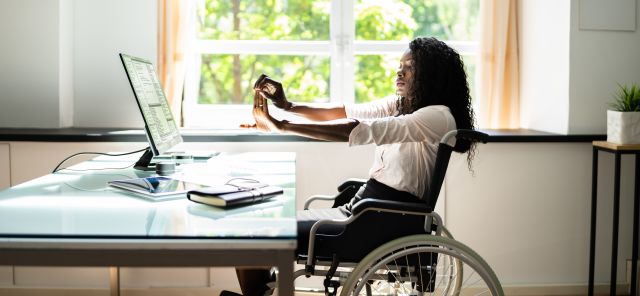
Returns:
point(144, 163)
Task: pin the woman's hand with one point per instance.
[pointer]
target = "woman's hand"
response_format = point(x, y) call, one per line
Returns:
point(264, 121)
point(272, 90)
point(336, 130)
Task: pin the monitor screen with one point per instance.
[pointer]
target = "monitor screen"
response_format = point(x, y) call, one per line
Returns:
point(160, 126)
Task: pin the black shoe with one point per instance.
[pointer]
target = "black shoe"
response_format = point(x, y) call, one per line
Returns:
point(273, 282)
point(229, 293)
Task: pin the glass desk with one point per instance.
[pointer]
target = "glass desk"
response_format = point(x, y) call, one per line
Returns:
point(72, 218)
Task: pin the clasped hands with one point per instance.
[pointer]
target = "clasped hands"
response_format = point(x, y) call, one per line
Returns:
point(267, 89)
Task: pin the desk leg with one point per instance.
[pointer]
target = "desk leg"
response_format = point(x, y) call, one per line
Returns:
point(594, 205)
point(616, 214)
point(114, 280)
point(634, 251)
point(285, 273)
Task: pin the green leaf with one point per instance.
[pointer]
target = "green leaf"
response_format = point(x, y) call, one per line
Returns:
point(627, 99)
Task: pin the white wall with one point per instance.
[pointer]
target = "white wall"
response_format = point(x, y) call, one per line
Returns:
point(66, 62)
point(527, 211)
point(103, 97)
point(601, 58)
point(29, 58)
point(544, 64)
point(60, 61)
point(572, 59)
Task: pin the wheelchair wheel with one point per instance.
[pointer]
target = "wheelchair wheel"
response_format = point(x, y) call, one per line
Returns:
point(422, 265)
point(455, 277)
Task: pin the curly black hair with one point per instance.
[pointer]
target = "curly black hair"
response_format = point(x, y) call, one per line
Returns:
point(440, 79)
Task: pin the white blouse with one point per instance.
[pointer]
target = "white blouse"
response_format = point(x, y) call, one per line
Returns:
point(406, 145)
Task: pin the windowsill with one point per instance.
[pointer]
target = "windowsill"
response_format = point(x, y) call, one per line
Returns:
point(207, 135)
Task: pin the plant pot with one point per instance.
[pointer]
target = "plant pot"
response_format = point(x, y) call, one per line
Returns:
point(623, 127)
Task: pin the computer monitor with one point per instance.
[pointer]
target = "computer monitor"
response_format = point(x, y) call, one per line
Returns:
point(159, 125)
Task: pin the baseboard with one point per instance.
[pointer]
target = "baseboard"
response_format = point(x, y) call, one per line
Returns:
point(515, 290)
point(56, 291)
point(561, 290)
point(537, 290)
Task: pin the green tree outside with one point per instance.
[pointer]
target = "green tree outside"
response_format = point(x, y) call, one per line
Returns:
point(227, 79)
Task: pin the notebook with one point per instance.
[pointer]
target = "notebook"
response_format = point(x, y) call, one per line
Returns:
point(226, 196)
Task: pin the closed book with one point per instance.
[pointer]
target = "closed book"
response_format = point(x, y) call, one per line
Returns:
point(231, 196)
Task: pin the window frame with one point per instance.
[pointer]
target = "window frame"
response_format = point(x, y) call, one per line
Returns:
point(342, 49)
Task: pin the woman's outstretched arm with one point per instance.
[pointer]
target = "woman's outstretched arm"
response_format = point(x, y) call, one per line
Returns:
point(334, 130)
point(272, 90)
point(318, 112)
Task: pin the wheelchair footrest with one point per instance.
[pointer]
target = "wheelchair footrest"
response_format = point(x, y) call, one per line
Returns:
point(309, 269)
point(331, 287)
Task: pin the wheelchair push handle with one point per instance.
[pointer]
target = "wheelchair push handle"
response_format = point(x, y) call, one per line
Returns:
point(465, 134)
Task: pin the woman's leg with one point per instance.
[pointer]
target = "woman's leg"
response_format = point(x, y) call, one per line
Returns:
point(253, 281)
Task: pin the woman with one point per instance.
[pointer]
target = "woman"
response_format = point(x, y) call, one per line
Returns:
point(432, 98)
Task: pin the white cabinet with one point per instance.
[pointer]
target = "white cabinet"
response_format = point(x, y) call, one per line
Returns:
point(6, 272)
point(5, 166)
point(30, 160)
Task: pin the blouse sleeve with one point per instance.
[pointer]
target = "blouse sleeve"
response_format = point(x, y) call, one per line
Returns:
point(428, 124)
point(377, 109)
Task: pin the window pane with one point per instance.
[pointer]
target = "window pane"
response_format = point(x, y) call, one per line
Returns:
point(470, 67)
point(228, 79)
point(407, 19)
point(264, 20)
point(376, 75)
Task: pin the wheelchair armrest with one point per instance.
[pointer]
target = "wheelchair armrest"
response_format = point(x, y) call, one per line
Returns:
point(472, 135)
point(346, 190)
point(351, 182)
point(390, 206)
point(312, 198)
point(466, 135)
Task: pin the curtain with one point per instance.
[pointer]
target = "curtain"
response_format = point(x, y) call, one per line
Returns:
point(497, 84)
point(173, 25)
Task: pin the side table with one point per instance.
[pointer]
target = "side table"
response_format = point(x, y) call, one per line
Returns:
point(617, 150)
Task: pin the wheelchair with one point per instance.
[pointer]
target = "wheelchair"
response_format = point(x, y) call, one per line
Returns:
point(395, 248)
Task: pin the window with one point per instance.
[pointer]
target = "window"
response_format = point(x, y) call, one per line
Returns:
point(321, 50)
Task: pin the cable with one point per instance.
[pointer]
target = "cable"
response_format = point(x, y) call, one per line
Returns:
point(100, 169)
point(86, 190)
point(95, 190)
point(94, 153)
point(247, 181)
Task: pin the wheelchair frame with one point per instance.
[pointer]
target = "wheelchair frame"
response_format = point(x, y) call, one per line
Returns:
point(431, 242)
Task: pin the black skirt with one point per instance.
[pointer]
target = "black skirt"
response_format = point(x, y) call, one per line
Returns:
point(372, 189)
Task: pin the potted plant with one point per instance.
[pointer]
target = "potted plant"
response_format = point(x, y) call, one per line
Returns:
point(623, 120)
